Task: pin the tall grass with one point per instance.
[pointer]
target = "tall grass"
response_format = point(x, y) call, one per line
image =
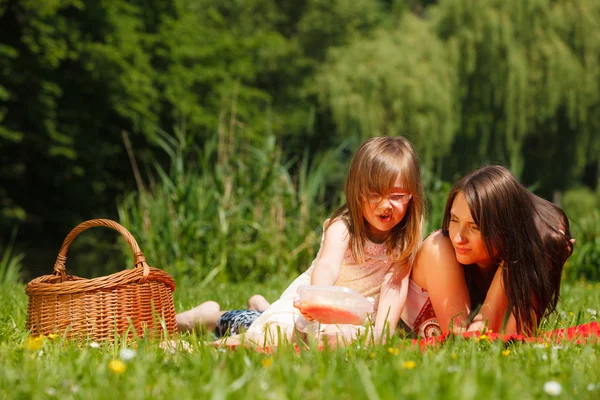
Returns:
point(10, 264)
point(230, 210)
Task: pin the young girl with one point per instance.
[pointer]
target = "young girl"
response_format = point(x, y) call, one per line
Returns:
point(368, 245)
point(500, 252)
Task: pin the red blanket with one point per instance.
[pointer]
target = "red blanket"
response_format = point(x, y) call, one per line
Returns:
point(577, 334)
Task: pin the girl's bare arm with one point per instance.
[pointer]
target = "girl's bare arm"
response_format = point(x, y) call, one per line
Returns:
point(392, 298)
point(335, 243)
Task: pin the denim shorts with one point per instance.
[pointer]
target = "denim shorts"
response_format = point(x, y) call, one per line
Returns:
point(235, 321)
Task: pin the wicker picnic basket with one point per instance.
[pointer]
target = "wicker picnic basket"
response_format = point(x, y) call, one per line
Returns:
point(135, 300)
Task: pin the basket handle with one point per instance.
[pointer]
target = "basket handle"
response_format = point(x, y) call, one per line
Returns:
point(139, 259)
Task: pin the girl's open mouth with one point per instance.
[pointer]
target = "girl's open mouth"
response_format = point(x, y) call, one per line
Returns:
point(385, 218)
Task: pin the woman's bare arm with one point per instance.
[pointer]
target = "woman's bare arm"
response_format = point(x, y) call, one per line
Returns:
point(437, 270)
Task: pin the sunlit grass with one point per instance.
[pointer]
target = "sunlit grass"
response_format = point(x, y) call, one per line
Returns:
point(460, 369)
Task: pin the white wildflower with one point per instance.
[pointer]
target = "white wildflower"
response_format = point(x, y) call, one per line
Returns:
point(591, 311)
point(95, 345)
point(127, 354)
point(553, 388)
point(545, 357)
point(591, 387)
point(50, 391)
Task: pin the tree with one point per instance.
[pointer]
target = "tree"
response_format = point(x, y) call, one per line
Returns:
point(529, 78)
point(399, 82)
point(76, 75)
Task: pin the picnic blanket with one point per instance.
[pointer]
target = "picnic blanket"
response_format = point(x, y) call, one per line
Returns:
point(580, 334)
point(577, 334)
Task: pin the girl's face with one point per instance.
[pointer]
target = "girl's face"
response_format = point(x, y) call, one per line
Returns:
point(466, 236)
point(384, 211)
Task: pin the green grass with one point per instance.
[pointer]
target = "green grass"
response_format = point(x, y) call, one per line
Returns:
point(458, 370)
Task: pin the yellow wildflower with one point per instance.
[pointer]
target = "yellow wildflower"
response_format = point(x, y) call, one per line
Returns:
point(393, 350)
point(506, 352)
point(453, 356)
point(483, 337)
point(267, 362)
point(33, 343)
point(117, 366)
point(52, 336)
point(409, 364)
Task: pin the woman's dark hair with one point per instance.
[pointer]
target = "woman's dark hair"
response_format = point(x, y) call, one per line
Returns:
point(529, 236)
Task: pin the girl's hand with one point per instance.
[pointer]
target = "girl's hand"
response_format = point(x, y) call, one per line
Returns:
point(297, 304)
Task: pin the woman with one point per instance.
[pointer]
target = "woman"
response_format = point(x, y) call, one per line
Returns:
point(498, 257)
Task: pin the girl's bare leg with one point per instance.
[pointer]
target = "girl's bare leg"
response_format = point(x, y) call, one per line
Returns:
point(205, 315)
point(258, 303)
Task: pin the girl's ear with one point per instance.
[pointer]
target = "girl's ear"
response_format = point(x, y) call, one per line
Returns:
point(572, 241)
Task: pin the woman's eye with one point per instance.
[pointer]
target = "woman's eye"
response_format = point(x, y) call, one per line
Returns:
point(453, 220)
point(397, 197)
point(475, 227)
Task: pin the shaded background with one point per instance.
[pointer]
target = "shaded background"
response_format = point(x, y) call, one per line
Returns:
point(219, 132)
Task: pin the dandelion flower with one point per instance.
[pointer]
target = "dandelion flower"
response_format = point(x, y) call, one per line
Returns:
point(33, 343)
point(127, 354)
point(553, 388)
point(117, 366)
point(393, 350)
point(506, 352)
point(483, 337)
point(267, 362)
point(409, 364)
point(52, 336)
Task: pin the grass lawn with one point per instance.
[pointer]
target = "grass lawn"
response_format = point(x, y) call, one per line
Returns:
point(463, 369)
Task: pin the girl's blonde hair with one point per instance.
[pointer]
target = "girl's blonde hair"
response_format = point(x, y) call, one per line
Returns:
point(376, 165)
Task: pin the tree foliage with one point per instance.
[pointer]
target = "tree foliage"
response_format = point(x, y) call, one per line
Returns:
point(528, 85)
point(514, 82)
point(398, 82)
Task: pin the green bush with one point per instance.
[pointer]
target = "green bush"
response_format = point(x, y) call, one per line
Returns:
point(585, 261)
point(579, 203)
point(436, 192)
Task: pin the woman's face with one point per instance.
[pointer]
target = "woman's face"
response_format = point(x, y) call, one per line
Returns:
point(466, 236)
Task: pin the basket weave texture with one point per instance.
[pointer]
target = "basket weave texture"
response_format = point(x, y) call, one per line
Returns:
point(100, 308)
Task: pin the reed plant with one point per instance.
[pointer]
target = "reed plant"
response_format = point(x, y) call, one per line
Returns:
point(230, 209)
point(10, 263)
